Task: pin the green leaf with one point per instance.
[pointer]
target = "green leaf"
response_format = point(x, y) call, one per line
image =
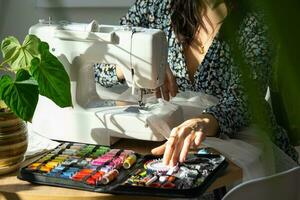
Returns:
point(22, 75)
point(51, 76)
point(20, 95)
point(9, 46)
point(20, 56)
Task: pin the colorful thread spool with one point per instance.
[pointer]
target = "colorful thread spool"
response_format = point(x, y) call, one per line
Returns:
point(98, 175)
point(151, 180)
point(129, 161)
point(163, 179)
point(147, 178)
point(143, 174)
point(59, 168)
point(171, 179)
point(52, 164)
point(78, 177)
point(81, 174)
point(45, 169)
point(95, 179)
point(110, 176)
point(106, 168)
point(34, 166)
point(91, 181)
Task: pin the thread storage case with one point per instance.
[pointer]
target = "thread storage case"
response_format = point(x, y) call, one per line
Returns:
point(101, 169)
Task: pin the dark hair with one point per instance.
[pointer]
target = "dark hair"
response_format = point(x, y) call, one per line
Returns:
point(186, 18)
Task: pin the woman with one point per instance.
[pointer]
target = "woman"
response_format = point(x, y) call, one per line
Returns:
point(201, 59)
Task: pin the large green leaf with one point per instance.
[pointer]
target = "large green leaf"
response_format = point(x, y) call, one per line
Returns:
point(20, 95)
point(20, 56)
point(51, 76)
point(9, 46)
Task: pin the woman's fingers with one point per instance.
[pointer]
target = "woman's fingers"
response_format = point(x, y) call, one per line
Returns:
point(199, 137)
point(186, 147)
point(169, 87)
point(170, 146)
point(173, 89)
point(165, 92)
point(180, 141)
point(182, 133)
point(158, 92)
point(159, 150)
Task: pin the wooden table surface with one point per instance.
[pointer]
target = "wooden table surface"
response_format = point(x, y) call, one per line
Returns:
point(11, 188)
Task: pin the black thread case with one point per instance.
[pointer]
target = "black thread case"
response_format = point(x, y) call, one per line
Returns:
point(74, 165)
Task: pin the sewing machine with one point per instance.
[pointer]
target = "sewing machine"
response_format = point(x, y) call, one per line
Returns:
point(95, 117)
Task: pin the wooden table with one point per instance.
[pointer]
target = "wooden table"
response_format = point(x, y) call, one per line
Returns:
point(11, 188)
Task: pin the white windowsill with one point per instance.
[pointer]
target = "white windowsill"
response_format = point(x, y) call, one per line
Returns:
point(84, 3)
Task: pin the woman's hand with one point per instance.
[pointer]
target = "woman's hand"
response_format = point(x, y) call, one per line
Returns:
point(189, 133)
point(169, 87)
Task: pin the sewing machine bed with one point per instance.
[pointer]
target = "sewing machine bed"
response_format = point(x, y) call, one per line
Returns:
point(119, 171)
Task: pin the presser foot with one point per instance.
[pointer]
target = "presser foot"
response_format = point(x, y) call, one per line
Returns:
point(141, 102)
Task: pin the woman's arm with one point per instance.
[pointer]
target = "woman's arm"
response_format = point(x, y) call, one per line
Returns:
point(231, 113)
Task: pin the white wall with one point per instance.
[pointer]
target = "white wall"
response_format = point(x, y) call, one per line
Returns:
point(16, 16)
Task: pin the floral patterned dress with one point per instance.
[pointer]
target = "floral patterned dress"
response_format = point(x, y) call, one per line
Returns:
point(217, 74)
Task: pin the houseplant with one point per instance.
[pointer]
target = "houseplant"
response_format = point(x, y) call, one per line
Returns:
point(33, 71)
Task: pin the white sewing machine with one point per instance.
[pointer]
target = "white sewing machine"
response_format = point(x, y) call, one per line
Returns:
point(142, 56)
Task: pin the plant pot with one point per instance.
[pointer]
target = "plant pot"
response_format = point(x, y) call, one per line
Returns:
point(13, 142)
